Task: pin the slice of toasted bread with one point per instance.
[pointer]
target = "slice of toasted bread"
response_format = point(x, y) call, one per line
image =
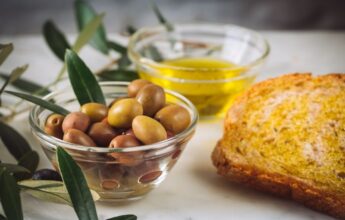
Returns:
point(286, 136)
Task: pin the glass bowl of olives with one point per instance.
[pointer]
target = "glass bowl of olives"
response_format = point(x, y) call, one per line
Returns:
point(125, 148)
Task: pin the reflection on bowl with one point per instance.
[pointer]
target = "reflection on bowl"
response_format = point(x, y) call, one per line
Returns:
point(129, 173)
point(208, 64)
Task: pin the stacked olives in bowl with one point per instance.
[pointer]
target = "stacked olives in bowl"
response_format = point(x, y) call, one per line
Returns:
point(142, 118)
point(125, 148)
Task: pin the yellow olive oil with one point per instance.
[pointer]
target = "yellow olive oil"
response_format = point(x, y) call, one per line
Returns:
point(211, 84)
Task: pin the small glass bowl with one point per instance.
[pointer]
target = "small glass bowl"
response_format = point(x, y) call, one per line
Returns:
point(131, 172)
point(211, 89)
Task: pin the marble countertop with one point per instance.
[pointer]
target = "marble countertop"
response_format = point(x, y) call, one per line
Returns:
point(193, 190)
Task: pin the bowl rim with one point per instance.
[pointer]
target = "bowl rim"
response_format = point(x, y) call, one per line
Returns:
point(138, 59)
point(38, 131)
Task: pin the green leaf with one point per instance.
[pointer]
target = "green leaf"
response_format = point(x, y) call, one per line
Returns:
point(50, 191)
point(124, 62)
point(55, 39)
point(131, 30)
point(153, 53)
point(117, 47)
point(2, 217)
point(26, 85)
point(83, 82)
point(19, 172)
point(9, 196)
point(118, 75)
point(76, 186)
point(14, 142)
point(56, 191)
point(15, 74)
point(87, 32)
point(84, 14)
point(161, 18)
point(14, 168)
point(43, 103)
point(29, 160)
point(124, 217)
point(5, 51)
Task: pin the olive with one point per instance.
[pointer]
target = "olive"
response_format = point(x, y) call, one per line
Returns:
point(174, 118)
point(102, 133)
point(78, 137)
point(122, 113)
point(135, 86)
point(110, 176)
point(53, 125)
point(46, 174)
point(150, 176)
point(129, 132)
point(76, 120)
point(124, 141)
point(148, 130)
point(152, 98)
point(95, 111)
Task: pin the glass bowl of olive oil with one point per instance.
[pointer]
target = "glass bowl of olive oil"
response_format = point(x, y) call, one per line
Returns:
point(210, 64)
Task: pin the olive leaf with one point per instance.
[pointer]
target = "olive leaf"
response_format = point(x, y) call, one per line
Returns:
point(84, 14)
point(9, 196)
point(19, 172)
point(152, 52)
point(124, 61)
point(83, 38)
point(55, 39)
point(13, 168)
point(161, 18)
point(14, 142)
point(83, 82)
point(117, 47)
point(50, 191)
point(15, 74)
point(118, 75)
point(54, 193)
point(124, 217)
point(26, 85)
point(131, 30)
point(76, 186)
point(5, 51)
point(88, 31)
point(29, 160)
point(41, 102)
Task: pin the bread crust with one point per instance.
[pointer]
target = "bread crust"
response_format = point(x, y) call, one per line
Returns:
point(260, 178)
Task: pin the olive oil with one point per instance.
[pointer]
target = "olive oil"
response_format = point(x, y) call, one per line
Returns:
point(211, 84)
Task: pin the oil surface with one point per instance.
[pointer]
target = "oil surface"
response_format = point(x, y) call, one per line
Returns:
point(211, 84)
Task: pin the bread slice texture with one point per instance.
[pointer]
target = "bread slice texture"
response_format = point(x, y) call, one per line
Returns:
point(286, 136)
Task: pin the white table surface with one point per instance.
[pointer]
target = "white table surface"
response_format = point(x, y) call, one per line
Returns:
point(193, 190)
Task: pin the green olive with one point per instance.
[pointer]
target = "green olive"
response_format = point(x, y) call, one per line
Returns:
point(102, 133)
point(174, 118)
point(129, 158)
point(95, 111)
point(122, 113)
point(135, 86)
point(76, 120)
point(53, 125)
point(152, 98)
point(76, 136)
point(148, 130)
